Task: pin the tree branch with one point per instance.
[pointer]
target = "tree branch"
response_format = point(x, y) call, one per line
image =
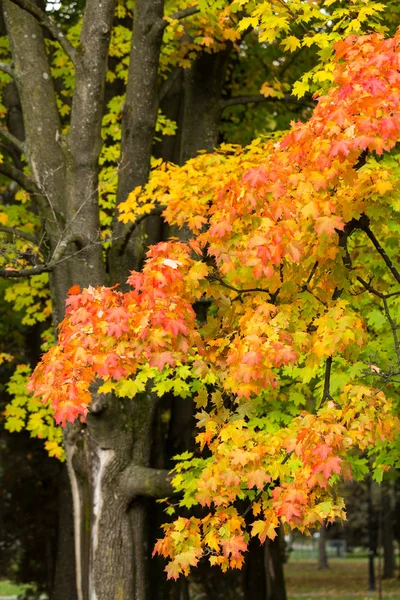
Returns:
point(392, 323)
point(364, 225)
point(18, 233)
point(7, 69)
point(16, 175)
point(51, 26)
point(177, 16)
point(23, 273)
point(12, 139)
point(145, 481)
point(167, 83)
point(238, 290)
point(57, 258)
point(326, 395)
point(257, 98)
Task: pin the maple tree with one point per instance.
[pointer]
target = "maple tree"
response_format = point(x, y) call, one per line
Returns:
point(276, 257)
point(256, 312)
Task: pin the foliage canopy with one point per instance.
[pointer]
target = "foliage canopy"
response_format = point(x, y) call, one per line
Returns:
point(294, 366)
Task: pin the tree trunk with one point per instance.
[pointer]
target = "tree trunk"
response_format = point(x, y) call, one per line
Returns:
point(255, 581)
point(64, 579)
point(203, 85)
point(322, 555)
point(389, 560)
point(276, 589)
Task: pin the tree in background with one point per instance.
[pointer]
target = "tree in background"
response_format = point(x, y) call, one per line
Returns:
point(84, 161)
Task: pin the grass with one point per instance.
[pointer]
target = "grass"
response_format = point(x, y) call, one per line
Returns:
point(10, 589)
point(346, 579)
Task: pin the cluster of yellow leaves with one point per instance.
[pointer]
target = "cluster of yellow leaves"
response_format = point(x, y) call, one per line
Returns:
point(26, 412)
point(298, 463)
point(299, 25)
point(209, 30)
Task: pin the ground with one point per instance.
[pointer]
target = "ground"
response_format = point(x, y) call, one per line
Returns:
point(346, 579)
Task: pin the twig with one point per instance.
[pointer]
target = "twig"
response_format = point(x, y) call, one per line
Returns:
point(12, 139)
point(312, 273)
point(18, 233)
point(47, 267)
point(16, 175)
point(9, 70)
point(51, 26)
point(326, 395)
point(23, 273)
point(257, 98)
point(392, 323)
point(364, 225)
point(292, 13)
point(163, 23)
point(237, 290)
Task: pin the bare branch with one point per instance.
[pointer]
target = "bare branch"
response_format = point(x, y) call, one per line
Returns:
point(16, 175)
point(257, 98)
point(364, 225)
point(130, 227)
point(51, 26)
point(12, 139)
point(23, 273)
point(57, 258)
point(238, 290)
point(392, 322)
point(6, 68)
point(326, 395)
point(18, 233)
point(177, 16)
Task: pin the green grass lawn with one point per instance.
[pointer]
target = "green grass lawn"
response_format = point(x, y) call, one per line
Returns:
point(10, 589)
point(346, 579)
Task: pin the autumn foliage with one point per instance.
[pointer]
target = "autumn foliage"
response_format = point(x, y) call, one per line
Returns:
point(280, 369)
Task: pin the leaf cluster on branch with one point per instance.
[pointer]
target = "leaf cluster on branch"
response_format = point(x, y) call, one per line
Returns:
point(276, 368)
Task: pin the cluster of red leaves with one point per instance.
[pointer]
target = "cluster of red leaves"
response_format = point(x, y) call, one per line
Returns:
point(108, 334)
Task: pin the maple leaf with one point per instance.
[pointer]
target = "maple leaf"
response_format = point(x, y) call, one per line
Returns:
point(329, 225)
point(234, 546)
point(328, 466)
point(75, 289)
point(258, 479)
point(160, 359)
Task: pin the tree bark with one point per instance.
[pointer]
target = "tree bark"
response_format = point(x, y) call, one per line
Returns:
point(203, 85)
point(276, 589)
point(65, 576)
point(322, 555)
point(389, 559)
point(139, 117)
